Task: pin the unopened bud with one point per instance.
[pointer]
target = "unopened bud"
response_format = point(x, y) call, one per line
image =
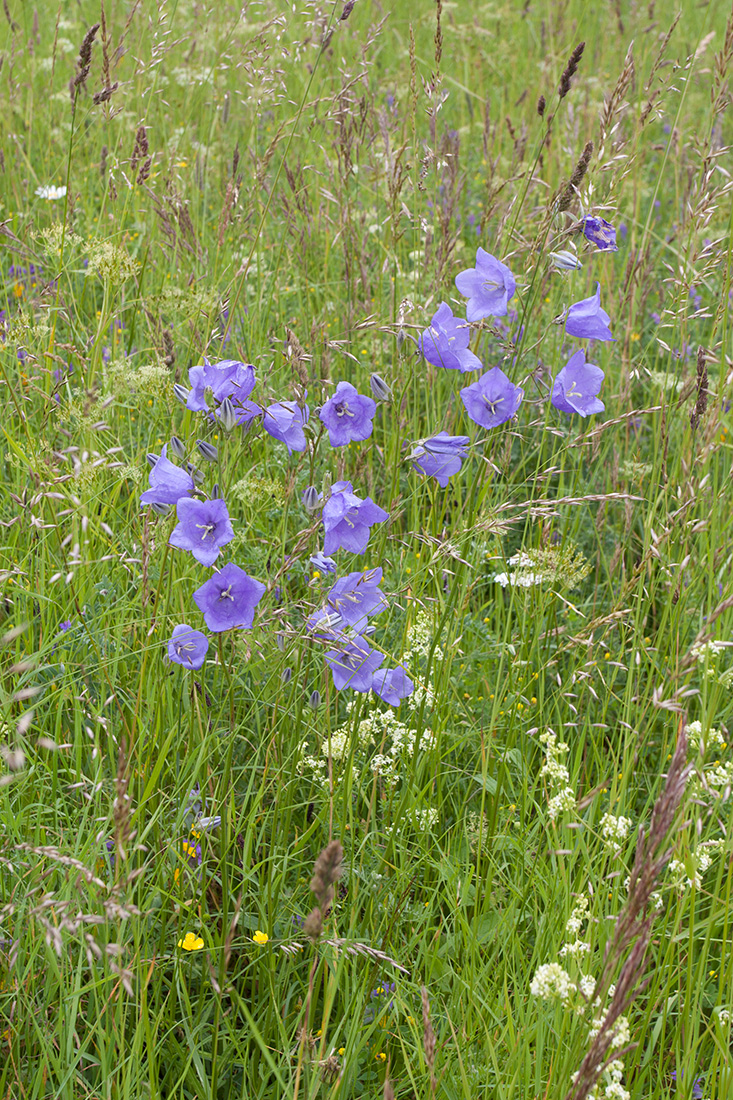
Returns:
point(160, 509)
point(565, 261)
point(181, 393)
point(315, 700)
point(207, 450)
point(400, 339)
point(380, 389)
point(216, 492)
point(287, 675)
point(310, 499)
point(227, 415)
point(195, 473)
point(152, 458)
point(178, 447)
point(280, 640)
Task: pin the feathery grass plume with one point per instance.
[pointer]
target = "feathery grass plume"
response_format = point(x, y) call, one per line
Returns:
point(570, 70)
point(438, 32)
point(428, 1038)
point(701, 400)
point(326, 872)
point(169, 351)
point(347, 10)
point(13, 25)
point(633, 927)
point(541, 104)
point(84, 61)
point(140, 155)
point(576, 179)
point(388, 1093)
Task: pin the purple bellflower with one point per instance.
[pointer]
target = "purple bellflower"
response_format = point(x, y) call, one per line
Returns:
point(353, 664)
point(577, 385)
point(348, 415)
point(326, 625)
point(285, 421)
point(228, 599)
point(203, 528)
point(587, 320)
point(356, 596)
point(488, 286)
point(600, 233)
point(347, 519)
point(187, 646)
point(230, 378)
point(322, 563)
point(392, 685)
point(493, 399)
point(445, 343)
point(168, 482)
point(440, 457)
point(696, 1084)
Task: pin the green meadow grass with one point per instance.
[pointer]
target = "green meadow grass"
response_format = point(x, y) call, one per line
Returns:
point(273, 183)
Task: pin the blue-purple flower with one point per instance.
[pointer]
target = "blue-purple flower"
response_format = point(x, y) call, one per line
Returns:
point(696, 1093)
point(347, 519)
point(392, 685)
point(356, 596)
point(348, 415)
point(168, 482)
point(353, 664)
point(229, 378)
point(326, 625)
point(600, 233)
point(228, 599)
point(445, 343)
point(322, 563)
point(441, 456)
point(285, 421)
point(203, 528)
point(587, 320)
point(187, 646)
point(577, 385)
point(493, 399)
point(488, 286)
point(244, 412)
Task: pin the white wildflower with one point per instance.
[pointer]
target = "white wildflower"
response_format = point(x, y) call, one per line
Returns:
point(563, 802)
point(551, 982)
point(50, 192)
point(614, 831)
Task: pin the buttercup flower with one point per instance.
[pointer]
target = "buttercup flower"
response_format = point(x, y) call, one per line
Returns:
point(187, 646)
point(441, 456)
point(229, 378)
point(285, 421)
point(347, 519)
point(600, 233)
point(587, 320)
point(493, 399)
point(392, 685)
point(168, 482)
point(488, 286)
point(228, 599)
point(353, 664)
point(445, 343)
point(261, 938)
point(348, 415)
point(203, 528)
point(356, 596)
point(576, 387)
point(191, 942)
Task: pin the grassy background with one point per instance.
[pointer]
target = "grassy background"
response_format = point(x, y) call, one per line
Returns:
point(312, 186)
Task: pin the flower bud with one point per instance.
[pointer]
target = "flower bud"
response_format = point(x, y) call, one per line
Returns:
point(287, 675)
point(207, 450)
point(160, 509)
point(315, 700)
point(152, 458)
point(310, 499)
point(195, 473)
point(181, 393)
point(280, 640)
point(178, 447)
point(380, 389)
point(565, 260)
point(227, 415)
point(216, 492)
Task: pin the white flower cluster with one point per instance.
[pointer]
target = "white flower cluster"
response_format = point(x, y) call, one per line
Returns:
point(420, 638)
point(552, 983)
point(697, 863)
point(614, 831)
point(707, 652)
point(698, 739)
point(574, 948)
point(724, 1016)
point(561, 565)
point(557, 775)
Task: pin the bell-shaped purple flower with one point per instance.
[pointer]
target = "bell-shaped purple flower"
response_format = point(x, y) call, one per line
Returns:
point(168, 482)
point(488, 286)
point(445, 343)
point(326, 625)
point(587, 320)
point(203, 528)
point(322, 563)
point(493, 399)
point(187, 646)
point(228, 599)
point(285, 421)
point(353, 664)
point(348, 415)
point(392, 685)
point(347, 519)
point(229, 378)
point(576, 387)
point(600, 233)
point(356, 596)
point(441, 456)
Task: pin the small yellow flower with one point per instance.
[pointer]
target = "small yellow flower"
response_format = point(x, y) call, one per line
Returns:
point(261, 938)
point(381, 1056)
point(191, 942)
point(342, 1050)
